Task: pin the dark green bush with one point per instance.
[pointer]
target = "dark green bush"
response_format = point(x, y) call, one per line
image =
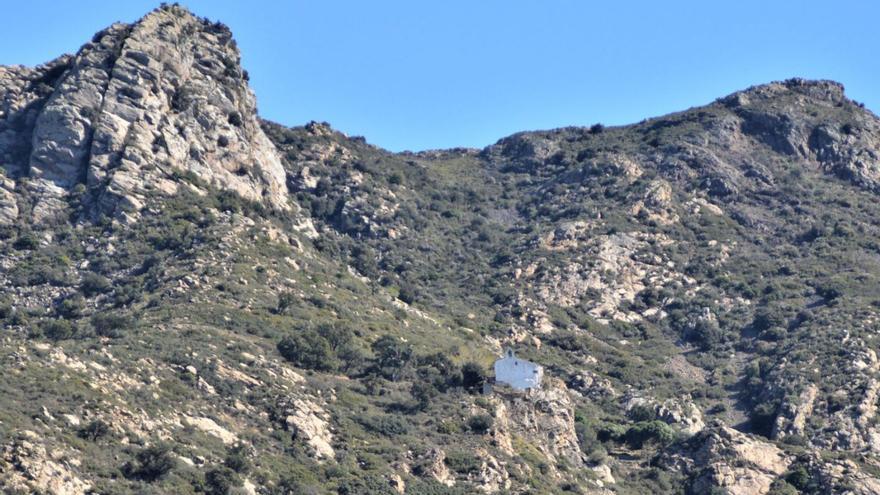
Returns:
point(328, 347)
point(151, 463)
point(93, 284)
point(111, 324)
point(221, 480)
point(58, 329)
point(462, 462)
point(642, 412)
point(308, 349)
point(649, 431)
point(94, 430)
point(423, 393)
point(237, 459)
point(473, 376)
point(26, 241)
point(391, 356)
point(285, 301)
point(72, 306)
point(480, 423)
point(385, 424)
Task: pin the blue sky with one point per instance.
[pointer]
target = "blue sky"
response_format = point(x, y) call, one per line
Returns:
point(418, 75)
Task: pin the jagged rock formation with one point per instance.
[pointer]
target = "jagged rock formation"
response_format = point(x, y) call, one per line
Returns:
point(137, 107)
point(545, 418)
point(735, 463)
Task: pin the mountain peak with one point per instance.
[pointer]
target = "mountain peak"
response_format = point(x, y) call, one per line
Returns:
point(136, 107)
point(816, 90)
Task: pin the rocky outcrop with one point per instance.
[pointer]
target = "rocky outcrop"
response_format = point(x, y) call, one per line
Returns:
point(138, 107)
point(543, 418)
point(8, 202)
point(432, 465)
point(723, 460)
point(310, 423)
point(844, 476)
point(843, 143)
point(604, 272)
point(793, 415)
point(683, 414)
point(27, 467)
point(850, 151)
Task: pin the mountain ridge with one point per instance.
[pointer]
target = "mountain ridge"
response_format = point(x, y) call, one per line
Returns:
point(196, 300)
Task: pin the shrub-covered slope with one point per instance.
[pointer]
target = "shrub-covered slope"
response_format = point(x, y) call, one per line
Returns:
point(197, 301)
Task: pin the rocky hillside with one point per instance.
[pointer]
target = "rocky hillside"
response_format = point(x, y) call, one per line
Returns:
point(195, 300)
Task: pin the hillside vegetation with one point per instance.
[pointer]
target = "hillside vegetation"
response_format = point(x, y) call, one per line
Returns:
point(195, 300)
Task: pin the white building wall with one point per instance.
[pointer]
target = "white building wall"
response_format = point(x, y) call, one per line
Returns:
point(518, 373)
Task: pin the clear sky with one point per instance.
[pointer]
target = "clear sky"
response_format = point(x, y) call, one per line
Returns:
point(419, 74)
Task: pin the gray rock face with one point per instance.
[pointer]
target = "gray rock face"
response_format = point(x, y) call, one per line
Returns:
point(723, 460)
point(138, 105)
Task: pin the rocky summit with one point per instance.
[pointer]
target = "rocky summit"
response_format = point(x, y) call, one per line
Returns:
point(194, 300)
point(137, 106)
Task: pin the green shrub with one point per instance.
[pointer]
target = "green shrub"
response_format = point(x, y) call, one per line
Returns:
point(480, 423)
point(58, 329)
point(94, 430)
point(285, 301)
point(237, 459)
point(423, 393)
point(391, 356)
point(800, 478)
point(462, 462)
point(151, 463)
point(329, 347)
point(649, 431)
point(221, 480)
point(611, 432)
point(111, 324)
point(308, 349)
point(407, 293)
point(26, 241)
point(473, 376)
point(72, 306)
point(385, 424)
point(93, 284)
point(642, 412)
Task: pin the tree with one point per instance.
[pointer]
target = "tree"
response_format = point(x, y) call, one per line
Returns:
point(94, 430)
point(221, 480)
point(480, 423)
point(308, 349)
point(407, 293)
point(237, 459)
point(423, 393)
point(438, 370)
point(93, 284)
point(151, 463)
point(110, 324)
point(649, 431)
point(472, 376)
point(285, 301)
point(392, 355)
point(58, 329)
